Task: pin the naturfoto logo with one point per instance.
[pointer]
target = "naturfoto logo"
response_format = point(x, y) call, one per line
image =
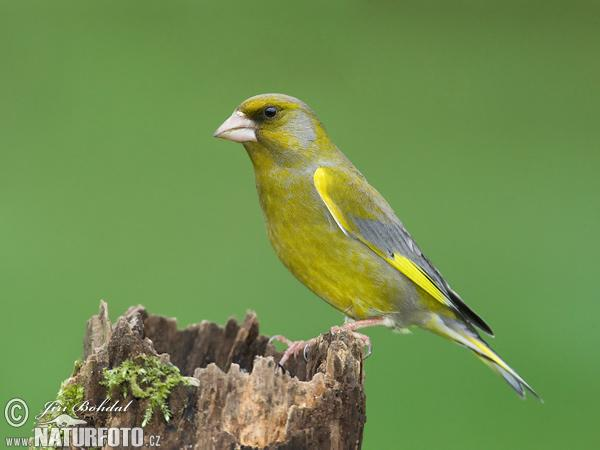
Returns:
point(59, 426)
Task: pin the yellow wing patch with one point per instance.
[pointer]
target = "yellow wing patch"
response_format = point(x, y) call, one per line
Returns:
point(417, 276)
point(325, 183)
point(322, 182)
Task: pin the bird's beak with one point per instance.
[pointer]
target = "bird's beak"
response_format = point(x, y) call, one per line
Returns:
point(237, 128)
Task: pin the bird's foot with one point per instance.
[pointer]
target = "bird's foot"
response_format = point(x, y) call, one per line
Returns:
point(293, 348)
point(366, 340)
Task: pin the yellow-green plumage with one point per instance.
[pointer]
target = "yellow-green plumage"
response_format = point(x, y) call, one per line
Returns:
point(311, 245)
point(338, 235)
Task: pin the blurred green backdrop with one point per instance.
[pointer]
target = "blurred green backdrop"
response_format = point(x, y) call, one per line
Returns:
point(477, 120)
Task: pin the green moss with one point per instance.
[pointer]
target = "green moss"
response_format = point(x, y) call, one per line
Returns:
point(146, 377)
point(76, 366)
point(70, 395)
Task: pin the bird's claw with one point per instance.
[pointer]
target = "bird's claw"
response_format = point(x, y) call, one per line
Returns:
point(279, 366)
point(366, 342)
point(305, 351)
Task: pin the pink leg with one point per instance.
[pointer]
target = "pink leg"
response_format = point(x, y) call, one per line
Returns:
point(294, 347)
point(353, 326)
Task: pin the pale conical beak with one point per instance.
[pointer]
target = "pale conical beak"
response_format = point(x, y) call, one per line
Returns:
point(237, 128)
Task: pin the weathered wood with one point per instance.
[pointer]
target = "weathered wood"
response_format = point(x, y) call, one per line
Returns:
point(242, 401)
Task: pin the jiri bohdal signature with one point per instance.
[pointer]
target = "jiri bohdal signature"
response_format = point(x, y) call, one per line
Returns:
point(107, 405)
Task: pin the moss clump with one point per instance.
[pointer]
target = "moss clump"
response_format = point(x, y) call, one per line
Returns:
point(69, 396)
point(146, 377)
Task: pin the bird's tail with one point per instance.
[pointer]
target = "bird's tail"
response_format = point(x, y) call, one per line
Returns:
point(461, 333)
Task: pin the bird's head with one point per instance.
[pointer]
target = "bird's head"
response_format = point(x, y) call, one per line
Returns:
point(281, 126)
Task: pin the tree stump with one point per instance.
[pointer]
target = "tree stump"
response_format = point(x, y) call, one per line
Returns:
point(239, 398)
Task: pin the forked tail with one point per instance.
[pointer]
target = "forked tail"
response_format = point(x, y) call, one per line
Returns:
point(466, 336)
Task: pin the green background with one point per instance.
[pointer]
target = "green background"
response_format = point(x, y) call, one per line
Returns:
point(477, 120)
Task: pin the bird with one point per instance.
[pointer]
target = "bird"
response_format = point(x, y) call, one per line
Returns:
point(339, 236)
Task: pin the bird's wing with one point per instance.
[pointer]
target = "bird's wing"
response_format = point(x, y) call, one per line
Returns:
point(363, 214)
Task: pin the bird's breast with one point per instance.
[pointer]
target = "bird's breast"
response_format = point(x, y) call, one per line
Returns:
point(336, 267)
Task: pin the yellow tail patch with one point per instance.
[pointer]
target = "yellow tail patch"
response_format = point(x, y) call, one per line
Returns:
point(459, 333)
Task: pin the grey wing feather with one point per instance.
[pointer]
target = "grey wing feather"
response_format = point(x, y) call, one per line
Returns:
point(395, 239)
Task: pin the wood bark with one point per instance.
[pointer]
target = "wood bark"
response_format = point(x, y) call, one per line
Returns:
point(243, 400)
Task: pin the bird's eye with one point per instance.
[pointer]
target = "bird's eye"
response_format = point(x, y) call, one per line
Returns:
point(270, 112)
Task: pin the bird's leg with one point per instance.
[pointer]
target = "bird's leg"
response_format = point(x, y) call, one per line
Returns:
point(352, 326)
point(293, 347)
point(358, 324)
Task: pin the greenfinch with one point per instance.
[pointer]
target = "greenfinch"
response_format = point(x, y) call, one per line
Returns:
point(340, 237)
